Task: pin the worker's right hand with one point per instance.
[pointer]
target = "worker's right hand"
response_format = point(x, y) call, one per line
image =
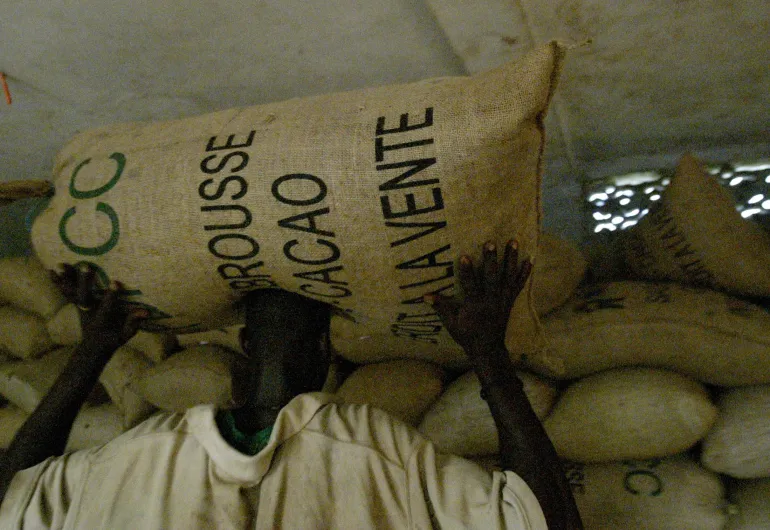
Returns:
point(106, 322)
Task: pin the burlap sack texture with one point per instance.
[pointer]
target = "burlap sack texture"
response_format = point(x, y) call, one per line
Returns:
point(228, 337)
point(751, 503)
point(126, 365)
point(739, 443)
point(558, 271)
point(11, 420)
point(363, 200)
point(196, 375)
point(629, 413)
point(26, 383)
point(404, 389)
point(460, 422)
point(695, 236)
point(23, 334)
point(705, 334)
point(670, 494)
point(25, 284)
point(95, 426)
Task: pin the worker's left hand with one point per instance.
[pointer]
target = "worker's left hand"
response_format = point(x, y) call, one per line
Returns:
point(106, 322)
point(478, 322)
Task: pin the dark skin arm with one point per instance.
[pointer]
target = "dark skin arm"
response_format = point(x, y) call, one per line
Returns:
point(107, 325)
point(478, 324)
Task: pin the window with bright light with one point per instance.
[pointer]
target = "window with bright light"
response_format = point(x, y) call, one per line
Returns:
point(619, 202)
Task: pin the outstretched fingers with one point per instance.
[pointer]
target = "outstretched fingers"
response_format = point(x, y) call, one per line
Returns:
point(447, 308)
point(468, 281)
point(489, 280)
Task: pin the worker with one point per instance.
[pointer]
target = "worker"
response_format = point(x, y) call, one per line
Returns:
point(287, 456)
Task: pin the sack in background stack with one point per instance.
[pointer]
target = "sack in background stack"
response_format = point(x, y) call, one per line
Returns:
point(558, 270)
point(460, 422)
point(11, 420)
point(404, 389)
point(739, 443)
point(364, 198)
point(125, 366)
point(670, 494)
point(694, 235)
point(26, 383)
point(25, 284)
point(196, 375)
point(629, 413)
point(711, 336)
point(23, 334)
point(751, 503)
point(228, 337)
point(95, 426)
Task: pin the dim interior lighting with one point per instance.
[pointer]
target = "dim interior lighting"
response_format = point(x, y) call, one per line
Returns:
point(598, 197)
point(633, 213)
point(766, 205)
point(625, 201)
point(736, 181)
point(599, 216)
point(628, 224)
point(756, 198)
point(617, 220)
point(749, 212)
point(654, 197)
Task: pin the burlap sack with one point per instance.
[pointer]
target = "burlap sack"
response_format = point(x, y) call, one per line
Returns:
point(694, 235)
point(154, 346)
point(629, 413)
point(670, 494)
point(64, 327)
point(25, 284)
point(405, 389)
point(11, 420)
point(559, 268)
point(739, 443)
point(228, 337)
point(95, 426)
point(710, 336)
point(196, 375)
point(751, 500)
point(460, 421)
point(125, 366)
point(26, 383)
point(363, 200)
point(23, 334)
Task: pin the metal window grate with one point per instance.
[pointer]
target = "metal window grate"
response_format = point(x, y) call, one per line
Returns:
point(619, 202)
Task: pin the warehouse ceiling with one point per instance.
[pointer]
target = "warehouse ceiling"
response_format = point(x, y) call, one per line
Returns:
point(644, 82)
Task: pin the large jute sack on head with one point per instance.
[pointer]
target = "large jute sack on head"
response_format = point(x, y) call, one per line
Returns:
point(363, 200)
point(670, 494)
point(95, 426)
point(739, 443)
point(194, 376)
point(126, 365)
point(25, 284)
point(64, 327)
point(11, 420)
point(708, 335)
point(694, 235)
point(23, 334)
point(405, 389)
point(460, 422)
point(558, 270)
point(156, 346)
point(26, 383)
point(751, 503)
point(629, 413)
point(228, 337)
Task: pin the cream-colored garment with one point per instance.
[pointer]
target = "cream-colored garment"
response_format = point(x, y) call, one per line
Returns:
point(326, 466)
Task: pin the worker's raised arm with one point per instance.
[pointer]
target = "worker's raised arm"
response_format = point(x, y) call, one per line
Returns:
point(478, 323)
point(106, 325)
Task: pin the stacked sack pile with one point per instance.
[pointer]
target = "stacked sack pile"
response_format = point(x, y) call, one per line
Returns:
point(662, 413)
